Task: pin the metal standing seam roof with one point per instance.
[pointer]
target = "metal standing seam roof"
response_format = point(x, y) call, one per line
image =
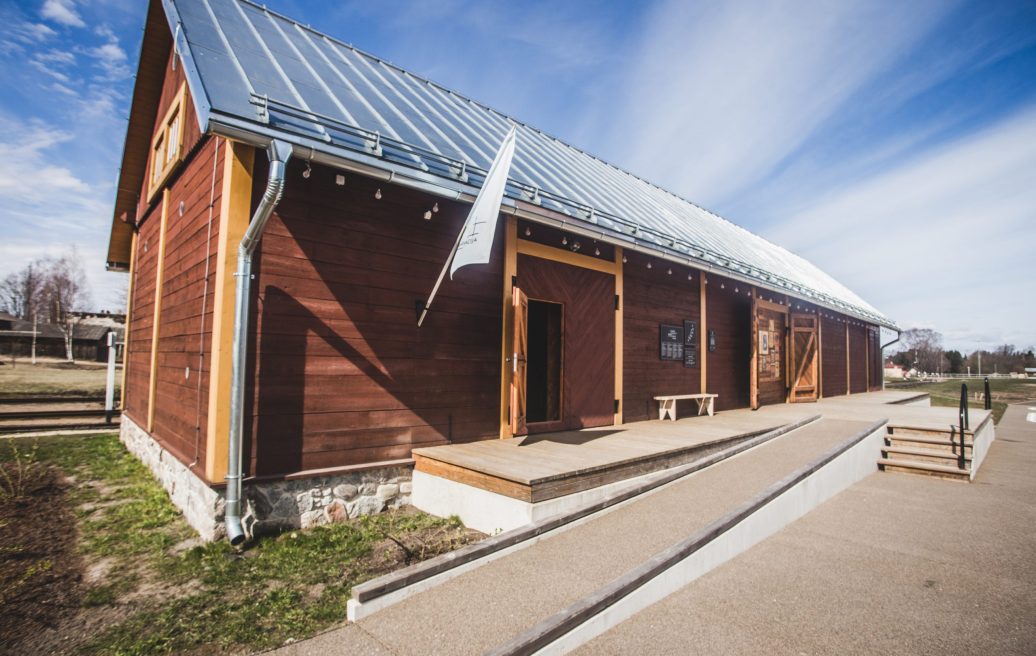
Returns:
point(255, 72)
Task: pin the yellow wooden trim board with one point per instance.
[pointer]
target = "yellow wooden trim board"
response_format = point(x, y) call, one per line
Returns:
point(618, 333)
point(507, 332)
point(566, 257)
point(157, 320)
point(129, 318)
point(703, 351)
point(234, 215)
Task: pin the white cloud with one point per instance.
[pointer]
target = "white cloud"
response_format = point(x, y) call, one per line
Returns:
point(721, 93)
point(943, 239)
point(62, 11)
point(111, 57)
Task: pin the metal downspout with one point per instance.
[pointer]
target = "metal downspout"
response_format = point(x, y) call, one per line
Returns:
point(279, 152)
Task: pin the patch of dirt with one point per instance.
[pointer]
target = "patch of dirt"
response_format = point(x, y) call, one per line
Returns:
point(398, 551)
point(40, 570)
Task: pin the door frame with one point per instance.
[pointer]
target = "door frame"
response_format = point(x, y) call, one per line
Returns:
point(512, 247)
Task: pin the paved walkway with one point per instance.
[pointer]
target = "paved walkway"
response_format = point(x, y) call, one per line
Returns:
point(488, 606)
point(897, 564)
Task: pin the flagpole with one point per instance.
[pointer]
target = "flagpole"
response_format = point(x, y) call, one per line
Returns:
point(442, 274)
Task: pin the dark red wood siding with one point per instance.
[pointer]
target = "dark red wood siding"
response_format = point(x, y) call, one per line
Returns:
point(832, 355)
point(588, 344)
point(141, 323)
point(653, 297)
point(877, 370)
point(857, 357)
point(728, 311)
point(342, 373)
point(185, 329)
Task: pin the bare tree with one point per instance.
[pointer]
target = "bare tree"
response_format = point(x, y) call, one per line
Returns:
point(923, 347)
point(21, 292)
point(52, 289)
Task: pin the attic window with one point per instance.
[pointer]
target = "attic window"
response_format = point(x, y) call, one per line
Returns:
point(167, 146)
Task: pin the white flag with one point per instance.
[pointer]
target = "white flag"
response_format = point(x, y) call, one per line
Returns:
point(476, 238)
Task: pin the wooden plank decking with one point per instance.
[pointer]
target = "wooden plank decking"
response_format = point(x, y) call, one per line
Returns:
point(541, 467)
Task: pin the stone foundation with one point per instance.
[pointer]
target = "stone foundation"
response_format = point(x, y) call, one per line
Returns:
point(273, 505)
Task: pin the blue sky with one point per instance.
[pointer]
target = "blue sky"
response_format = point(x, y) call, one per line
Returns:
point(891, 143)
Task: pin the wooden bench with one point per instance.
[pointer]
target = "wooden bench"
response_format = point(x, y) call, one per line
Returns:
point(667, 404)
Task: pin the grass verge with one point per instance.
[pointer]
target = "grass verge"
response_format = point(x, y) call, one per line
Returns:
point(51, 377)
point(149, 587)
point(1003, 391)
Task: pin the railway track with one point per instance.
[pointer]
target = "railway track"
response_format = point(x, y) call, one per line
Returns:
point(32, 414)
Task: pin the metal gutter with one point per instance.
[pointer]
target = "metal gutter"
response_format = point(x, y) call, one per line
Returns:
point(279, 152)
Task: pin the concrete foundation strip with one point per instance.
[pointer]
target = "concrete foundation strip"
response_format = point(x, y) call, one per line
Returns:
point(557, 625)
point(400, 579)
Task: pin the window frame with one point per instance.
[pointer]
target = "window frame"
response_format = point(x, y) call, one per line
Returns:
point(169, 133)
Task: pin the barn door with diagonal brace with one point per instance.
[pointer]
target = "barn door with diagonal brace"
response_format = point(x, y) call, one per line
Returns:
point(519, 361)
point(804, 383)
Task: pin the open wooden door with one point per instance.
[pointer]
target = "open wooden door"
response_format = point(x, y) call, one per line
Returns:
point(519, 361)
point(805, 383)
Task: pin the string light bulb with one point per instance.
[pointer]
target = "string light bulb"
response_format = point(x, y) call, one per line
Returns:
point(649, 265)
point(624, 259)
point(597, 251)
point(377, 194)
point(564, 240)
point(308, 171)
point(427, 215)
point(669, 271)
point(435, 207)
point(528, 231)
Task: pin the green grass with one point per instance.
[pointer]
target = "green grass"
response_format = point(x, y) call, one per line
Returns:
point(1003, 390)
point(213, 596)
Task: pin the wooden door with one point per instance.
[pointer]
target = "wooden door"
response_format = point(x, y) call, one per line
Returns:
point(518, 361)
point(804, 378)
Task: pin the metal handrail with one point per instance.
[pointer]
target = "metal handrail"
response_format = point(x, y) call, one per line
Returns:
point(962, 422)
point(989, 397)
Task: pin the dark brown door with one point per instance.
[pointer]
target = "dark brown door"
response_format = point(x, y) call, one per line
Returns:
point(804, 379)
point(519, 361)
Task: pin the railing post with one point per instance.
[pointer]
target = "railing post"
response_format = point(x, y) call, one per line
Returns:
point(989, 398)
point(962, 422)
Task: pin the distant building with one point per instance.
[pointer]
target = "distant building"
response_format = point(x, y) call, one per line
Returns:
point(89, 337)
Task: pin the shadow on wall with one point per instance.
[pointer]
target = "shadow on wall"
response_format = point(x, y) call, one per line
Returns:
point(346, 376)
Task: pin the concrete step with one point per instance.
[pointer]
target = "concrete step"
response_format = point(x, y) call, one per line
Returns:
point(923, 468)
point(937, 456)
point(935, 443)
point(928, 431)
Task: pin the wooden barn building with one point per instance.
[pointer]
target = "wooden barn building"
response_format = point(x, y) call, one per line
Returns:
point(322, 189)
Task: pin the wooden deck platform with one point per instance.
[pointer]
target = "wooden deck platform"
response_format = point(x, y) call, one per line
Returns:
point(541, 467)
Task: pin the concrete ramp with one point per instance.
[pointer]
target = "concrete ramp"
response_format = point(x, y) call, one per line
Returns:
point(574, 584)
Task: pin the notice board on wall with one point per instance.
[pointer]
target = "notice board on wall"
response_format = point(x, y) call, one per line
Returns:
point(690, 344)
point(671, 339)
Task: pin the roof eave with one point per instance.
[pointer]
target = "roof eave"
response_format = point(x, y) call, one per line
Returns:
point(321, 152)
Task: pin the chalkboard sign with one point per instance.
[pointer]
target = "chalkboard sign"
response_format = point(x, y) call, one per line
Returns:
point(670, 342)
point(712, 340)
point(690, 333)
point(690, 357)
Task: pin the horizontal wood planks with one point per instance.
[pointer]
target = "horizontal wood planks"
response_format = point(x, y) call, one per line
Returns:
point(832, 355)
point(341, 373)
point(652, 297)
point(729, 314)
point(857, 357)
point(138, 340)
point(185, 330)
point(876, 370)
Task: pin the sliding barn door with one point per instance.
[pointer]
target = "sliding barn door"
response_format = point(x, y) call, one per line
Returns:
point(519, 361)
point(804, 378)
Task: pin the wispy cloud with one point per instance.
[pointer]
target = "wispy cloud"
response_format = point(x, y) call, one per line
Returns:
point(63, 12)
point(110, 56)
point(943, 239)
point(721, 93)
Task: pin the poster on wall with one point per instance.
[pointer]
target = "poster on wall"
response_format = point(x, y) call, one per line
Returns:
point(764, 342)
point(670, 339)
